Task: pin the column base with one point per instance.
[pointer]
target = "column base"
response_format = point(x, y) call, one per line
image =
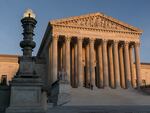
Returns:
point(118, 86)
point(129, 85)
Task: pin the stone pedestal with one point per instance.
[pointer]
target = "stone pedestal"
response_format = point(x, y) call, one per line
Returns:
point(27, 67)
point(26, 96)
point(60, 93)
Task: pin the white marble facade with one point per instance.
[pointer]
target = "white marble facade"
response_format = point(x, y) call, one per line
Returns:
point(94, 50)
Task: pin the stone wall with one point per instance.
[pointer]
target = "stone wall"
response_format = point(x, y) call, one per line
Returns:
point(145, 72)
point(9, 66)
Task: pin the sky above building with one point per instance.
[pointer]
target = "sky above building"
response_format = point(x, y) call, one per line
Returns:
point(134, 12)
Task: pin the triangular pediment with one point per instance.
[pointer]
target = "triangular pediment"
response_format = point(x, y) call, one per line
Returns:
point(96, 20)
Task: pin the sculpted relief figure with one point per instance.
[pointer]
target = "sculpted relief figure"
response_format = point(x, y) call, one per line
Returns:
point(96, 22)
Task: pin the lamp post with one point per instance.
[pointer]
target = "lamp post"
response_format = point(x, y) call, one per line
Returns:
point(28, 23)
point(27, 61)
point(26, 86)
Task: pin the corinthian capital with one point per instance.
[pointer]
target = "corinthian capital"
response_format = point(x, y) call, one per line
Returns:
point(68, 38)
point(126, 43)
point(55, 37)
point(116, 42)
point(80, 39)
point(137, 44)
point(104, 41)
point(92, 40)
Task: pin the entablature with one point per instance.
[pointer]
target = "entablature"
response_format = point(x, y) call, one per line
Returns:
point(96, 33)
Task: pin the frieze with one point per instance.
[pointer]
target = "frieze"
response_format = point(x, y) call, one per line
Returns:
point(77, 31)
point(96, 34)
point(95, 29)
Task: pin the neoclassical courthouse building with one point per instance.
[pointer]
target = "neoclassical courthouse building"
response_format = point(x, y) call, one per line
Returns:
point(93, 49)
point(95, 52)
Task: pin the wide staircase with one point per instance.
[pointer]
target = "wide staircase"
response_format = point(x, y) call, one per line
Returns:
point(106, 100)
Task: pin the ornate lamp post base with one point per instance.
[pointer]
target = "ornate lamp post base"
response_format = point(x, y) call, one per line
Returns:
point(26, 86)
point(26, 96)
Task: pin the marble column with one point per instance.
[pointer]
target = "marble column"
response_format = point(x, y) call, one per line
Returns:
point(105, 63)
point(72, 68)
point(51, 72)
point(116, 64)
point(100, 63)
point(61, 58)
point(111, 66)
point(92, 59)
point(87, 66)
point(76, 66)
point(67, 56)
point(54, 57)
point(122, 71)
point(127, 64)
point(133, 78)
point(49, 64)
point(79, 44)
point(137, 64)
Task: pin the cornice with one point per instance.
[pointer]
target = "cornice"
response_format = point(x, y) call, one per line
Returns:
point(9, 58)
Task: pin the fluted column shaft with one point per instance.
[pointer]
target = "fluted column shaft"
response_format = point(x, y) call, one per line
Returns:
point(61, 58)
point(111, 66)
point(137, 64)
point(72, 67)
point(105, 63)
point(133, 78)
point(68, 58)
point(116, 64)
point(100, 63)
point(79, 44)
point(122, 74)
point(76, 66)
point(92, 69)
point(87, 66)
point(127, 64)
point(54, 57)
point(50, 64)
point(51, 71)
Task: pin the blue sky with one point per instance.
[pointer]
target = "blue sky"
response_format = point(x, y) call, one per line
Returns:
point(134, 12)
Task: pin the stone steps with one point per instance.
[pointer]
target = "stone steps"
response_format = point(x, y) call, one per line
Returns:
point(100, 109)
point(108, 96)
point(105, 101)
